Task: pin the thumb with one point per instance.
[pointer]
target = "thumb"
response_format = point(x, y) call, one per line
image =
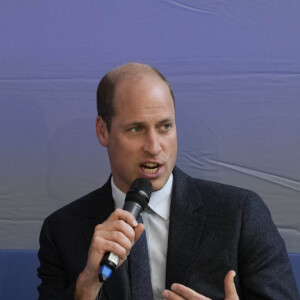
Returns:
point(230, 290)
point(138, 231)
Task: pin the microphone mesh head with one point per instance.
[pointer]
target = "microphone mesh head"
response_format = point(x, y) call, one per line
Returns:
point(140, 191)
point(142, 184)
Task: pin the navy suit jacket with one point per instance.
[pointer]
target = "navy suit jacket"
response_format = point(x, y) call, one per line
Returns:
point(214, 228)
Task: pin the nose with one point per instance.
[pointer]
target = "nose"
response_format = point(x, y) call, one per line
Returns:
point(152, 143)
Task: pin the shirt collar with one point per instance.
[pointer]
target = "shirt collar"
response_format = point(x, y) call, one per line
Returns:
point(159, 200)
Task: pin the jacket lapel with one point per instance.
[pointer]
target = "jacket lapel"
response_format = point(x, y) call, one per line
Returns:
point(97, 211)
point(186, 224)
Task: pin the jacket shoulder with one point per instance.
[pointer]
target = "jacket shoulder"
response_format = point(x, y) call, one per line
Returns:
point(78, 206)
point(215, 191)
point(92, 205)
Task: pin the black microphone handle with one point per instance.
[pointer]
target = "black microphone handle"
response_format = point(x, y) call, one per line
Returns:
point(133, 207)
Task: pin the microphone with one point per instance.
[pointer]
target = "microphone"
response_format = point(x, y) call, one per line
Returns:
point(136, 199)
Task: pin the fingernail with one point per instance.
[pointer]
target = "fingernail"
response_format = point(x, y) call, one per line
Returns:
point(174, 287)
point(165, 294)
point(135, 223)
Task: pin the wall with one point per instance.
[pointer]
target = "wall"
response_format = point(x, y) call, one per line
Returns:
point(234, 67)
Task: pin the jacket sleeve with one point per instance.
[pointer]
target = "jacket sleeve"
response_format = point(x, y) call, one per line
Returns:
point(264, 268)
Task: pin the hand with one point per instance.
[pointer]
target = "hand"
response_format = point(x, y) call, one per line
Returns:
point(181, 292)
point(117, 234)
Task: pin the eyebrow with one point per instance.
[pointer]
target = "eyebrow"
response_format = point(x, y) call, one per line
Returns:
point(167, 120)
point(133, 124)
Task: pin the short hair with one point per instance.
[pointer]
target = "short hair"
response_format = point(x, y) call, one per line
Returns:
point(108, 84)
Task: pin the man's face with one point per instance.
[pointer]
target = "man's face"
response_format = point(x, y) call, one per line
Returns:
point(142, 141)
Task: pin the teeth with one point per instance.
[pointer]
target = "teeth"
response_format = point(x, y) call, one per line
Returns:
point(150, 165)
point(150, 168)
point(151, 171)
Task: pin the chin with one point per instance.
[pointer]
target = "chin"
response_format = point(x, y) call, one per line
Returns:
point(156, 186)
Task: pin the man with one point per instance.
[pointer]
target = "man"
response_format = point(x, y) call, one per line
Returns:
point(199, 233)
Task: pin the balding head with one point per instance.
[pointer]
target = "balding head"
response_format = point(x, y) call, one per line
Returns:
point(107, 86)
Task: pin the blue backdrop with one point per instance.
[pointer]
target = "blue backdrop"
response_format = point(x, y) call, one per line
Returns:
point(234, 67)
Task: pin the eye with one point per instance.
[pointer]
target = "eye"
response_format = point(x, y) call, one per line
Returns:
point(135, 129)
point(166, 126)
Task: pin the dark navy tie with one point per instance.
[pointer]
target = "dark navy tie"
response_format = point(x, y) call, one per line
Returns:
point(139, 270)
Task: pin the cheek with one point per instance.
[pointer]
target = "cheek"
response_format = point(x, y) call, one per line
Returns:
point(172, 145)
point(126, 151)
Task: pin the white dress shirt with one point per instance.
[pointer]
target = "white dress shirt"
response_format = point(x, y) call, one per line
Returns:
point(156, 219)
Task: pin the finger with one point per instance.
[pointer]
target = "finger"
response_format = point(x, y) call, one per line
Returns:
point(114, 227)
point(179, 292)
point(109, 246)
point(138, 231)
point(117, 237)
point(169, 295)
point(120, 214)
point(230, 290)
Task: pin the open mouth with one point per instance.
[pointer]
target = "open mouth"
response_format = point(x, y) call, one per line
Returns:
point(150, 168)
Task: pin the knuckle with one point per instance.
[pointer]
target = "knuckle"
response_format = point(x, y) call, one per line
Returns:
point(118, 235)
point(120, 225)
point(98, 228)
point(97, 240)
point(117, 249)
point(113, 246)
point(118, 211)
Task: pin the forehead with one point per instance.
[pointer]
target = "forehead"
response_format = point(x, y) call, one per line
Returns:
point(149, 90)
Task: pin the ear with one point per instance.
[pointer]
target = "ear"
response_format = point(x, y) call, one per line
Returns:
point(102, 132)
